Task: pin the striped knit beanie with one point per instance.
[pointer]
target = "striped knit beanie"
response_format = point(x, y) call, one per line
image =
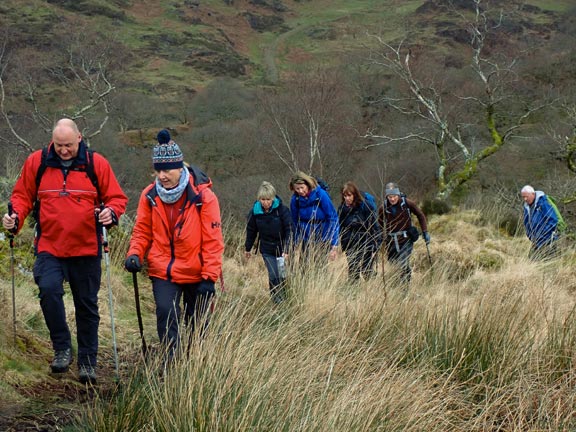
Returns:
point(166, 155)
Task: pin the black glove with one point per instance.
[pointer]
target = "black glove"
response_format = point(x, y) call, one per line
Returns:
point(206, 287)
point(426, 237)
point(132, 264)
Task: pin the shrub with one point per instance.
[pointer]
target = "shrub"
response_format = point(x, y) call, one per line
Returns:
point(435, 206)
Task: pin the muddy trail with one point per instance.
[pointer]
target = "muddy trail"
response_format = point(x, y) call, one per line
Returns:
point(54, 402)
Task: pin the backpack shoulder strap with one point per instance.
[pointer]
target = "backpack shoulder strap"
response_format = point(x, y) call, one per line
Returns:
point(90, 169)
point(42, 167)
point(405, 205)
point(90, 172)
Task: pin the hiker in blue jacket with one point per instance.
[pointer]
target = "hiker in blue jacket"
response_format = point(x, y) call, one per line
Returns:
point(541, 223)
point(360, 233)
point(270, 220)
point(313, 215)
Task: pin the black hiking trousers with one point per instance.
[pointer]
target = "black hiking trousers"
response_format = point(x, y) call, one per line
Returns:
point(84, 275)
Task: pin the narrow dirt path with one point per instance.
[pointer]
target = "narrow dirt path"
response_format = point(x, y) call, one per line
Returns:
point(271, 53)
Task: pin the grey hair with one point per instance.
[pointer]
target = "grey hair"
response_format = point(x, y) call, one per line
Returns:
point(528, 189)
point(266, 191)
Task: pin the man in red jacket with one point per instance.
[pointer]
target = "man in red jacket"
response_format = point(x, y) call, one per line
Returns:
point(70, 209)
point(178, 230)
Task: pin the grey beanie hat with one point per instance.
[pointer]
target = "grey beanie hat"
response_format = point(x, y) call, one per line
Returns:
point(392, 189)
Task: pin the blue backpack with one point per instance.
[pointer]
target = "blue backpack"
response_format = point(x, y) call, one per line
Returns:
point(369, 200)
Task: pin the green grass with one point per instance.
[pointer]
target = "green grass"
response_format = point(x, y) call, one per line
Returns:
point(552, 5)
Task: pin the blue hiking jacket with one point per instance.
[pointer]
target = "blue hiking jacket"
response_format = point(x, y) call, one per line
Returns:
point(315, 218)
point(540, 221)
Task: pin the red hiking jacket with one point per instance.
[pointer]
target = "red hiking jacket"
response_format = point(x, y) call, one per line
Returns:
point(68, 199)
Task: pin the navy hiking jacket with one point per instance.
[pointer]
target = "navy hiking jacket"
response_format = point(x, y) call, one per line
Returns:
point(273, 226)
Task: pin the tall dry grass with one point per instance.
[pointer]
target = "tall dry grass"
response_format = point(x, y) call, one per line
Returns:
point(484, 340)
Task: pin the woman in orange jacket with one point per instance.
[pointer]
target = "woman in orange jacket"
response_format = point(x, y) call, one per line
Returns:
point(178, 230)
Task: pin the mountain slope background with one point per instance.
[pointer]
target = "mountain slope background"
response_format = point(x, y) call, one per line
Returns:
point(214, 72)
point(220, 74)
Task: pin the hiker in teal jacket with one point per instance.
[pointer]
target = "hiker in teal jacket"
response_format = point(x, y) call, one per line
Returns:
point(541, 223)
point(269, 221)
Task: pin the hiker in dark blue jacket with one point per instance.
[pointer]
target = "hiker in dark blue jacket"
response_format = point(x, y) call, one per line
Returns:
point(313, 215)
point(541, 223)
point(270, 220)
point(360, 233)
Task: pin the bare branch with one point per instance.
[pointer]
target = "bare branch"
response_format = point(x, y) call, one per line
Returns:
point(424, 102)
point(20, 141)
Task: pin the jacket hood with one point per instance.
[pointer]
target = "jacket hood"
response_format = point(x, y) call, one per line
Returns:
point(539, 194)
point(257, 208)
point(199, 178)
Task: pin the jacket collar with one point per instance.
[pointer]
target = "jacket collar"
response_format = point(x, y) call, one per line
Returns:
point(81, 159)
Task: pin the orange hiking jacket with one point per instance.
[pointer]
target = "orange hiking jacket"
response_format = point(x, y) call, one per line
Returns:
point(194, 251)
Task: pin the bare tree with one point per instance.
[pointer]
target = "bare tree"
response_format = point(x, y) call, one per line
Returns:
point(568, 142)
point(309, 119)
point(564, 135)
point(457, 144)
point(79, 71)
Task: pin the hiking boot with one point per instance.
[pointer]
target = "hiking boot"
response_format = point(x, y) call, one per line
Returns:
point(62, 360)
point(87, 374)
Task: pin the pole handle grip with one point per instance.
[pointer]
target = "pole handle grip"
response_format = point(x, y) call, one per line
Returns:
point(10, 212)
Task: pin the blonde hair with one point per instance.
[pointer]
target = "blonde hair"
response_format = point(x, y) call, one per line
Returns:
point(303, 178)
point(266, 191)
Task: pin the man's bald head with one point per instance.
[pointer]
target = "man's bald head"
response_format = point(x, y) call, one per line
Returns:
point(67, 123)
point(66, 138)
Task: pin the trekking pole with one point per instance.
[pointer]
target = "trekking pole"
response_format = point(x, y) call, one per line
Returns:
point(106, 249)
point(138, 312)
point(383, 249)
point(11, 239)
point(429, 257)
point(222, 287)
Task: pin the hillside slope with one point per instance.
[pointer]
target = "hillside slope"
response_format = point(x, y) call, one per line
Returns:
point(181, 45)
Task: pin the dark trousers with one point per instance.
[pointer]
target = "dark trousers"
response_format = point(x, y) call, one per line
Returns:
point(167, 296)
point(360, 262)
point(401, 256)
point(543, 253)
point(83, 274)
point(275, 281)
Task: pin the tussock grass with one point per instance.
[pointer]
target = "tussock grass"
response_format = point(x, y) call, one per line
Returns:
point(492, 348)
point(489, 349)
